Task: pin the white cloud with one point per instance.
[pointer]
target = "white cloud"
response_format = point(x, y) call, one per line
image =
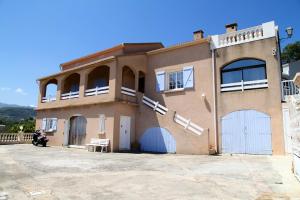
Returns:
point(32, 106)
point(5, 89)
point(20, 91)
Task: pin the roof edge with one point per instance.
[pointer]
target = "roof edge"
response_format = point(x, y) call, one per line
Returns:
point(180, 45)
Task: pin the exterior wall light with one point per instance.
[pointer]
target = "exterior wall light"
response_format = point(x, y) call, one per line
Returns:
point(289, 31)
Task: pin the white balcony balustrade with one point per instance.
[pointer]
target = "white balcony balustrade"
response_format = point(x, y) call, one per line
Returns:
point(128, 91)
point(244, 85)
point(266, 30)
point(70, 95)
point(97, 91)
point(48, 99)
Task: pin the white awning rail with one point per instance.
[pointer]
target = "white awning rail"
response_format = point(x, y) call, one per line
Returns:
point(188, 124)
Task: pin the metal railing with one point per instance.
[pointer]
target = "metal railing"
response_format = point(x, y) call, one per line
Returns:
point(188, 124)
point(48, 99)
point(288, 88)
point(244, 85)
point(97, 91)
point(70, 95)
point(128, 91)
point(155, 105)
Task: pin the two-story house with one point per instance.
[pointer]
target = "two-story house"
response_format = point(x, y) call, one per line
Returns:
point(215, 94)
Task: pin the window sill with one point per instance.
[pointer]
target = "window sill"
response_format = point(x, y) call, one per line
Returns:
point(174, 90)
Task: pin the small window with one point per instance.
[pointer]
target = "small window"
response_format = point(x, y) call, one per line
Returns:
point(102, 124)
point(175, 80)
point(49, 124)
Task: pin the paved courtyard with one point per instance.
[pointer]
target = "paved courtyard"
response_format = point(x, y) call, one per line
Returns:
point(28, 172)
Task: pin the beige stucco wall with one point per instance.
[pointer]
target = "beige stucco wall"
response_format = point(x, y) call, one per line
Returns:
point(266, 100)
point(112, 112)
point(188, 103)
point(195, 103)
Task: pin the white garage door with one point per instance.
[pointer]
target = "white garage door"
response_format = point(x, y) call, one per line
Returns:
point(247, 132)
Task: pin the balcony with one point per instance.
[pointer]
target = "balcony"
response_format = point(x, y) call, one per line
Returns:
point(266, 30)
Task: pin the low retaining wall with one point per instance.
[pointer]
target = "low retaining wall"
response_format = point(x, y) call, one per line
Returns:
point(15, 138)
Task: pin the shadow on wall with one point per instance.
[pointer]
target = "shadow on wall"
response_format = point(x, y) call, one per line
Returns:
point(158, 140)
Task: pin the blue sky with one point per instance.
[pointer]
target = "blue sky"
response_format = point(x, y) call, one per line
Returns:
point(37, 35)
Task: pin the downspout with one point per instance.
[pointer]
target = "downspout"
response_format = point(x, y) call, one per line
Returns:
point(214, 99)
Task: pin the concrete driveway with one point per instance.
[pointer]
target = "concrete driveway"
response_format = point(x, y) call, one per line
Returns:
point(28, 172)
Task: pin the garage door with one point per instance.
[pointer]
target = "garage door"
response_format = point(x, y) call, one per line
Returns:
point(158, 140)
point(246, 131)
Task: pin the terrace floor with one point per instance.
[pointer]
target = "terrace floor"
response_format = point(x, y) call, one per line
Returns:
point(28, 172)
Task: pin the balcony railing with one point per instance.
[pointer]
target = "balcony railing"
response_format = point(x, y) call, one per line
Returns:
point(128, 91)
point(288, 88)
point(97, 91)
point(70, 95)
point(266, 30)
point(244, 85)
point(48, 99)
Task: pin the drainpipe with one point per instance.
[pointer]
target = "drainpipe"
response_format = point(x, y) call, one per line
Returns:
point(214, 99)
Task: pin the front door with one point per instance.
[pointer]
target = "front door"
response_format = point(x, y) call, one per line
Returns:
point(124, 143)
point(77, 130)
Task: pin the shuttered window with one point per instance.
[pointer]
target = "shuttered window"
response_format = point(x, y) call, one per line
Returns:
point(49, 124)
point(160, 81)
point(175, 80)
point(102, 123)
point(188, 77)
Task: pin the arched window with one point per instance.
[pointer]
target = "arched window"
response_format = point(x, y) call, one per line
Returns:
point(244, 70)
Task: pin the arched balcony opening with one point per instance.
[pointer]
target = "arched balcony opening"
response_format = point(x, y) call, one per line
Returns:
point(71, 87)
point(49, 91)
point(98, 81)
point(141, 87)
point(128, 82)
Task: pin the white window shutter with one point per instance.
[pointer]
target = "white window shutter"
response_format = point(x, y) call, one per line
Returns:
point(188, 77)
point(160, 81)
point(44, 123)
point(102, 123)
point(54, 124)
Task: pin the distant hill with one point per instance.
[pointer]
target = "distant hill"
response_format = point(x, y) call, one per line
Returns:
point(15, 112)
point(2, 105)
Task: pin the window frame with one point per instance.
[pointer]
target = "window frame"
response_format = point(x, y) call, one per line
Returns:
point(256, 80)
point(49, 126)
point(176, 81)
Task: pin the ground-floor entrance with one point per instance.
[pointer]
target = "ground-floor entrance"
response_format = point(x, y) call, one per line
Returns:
point(77, 131)
point(125, 123)
point(246, 132)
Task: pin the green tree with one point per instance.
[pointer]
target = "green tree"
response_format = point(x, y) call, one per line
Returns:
point(291, 52)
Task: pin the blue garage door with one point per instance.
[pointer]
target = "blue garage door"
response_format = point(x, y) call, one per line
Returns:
point(246, 131)
point(158, 140)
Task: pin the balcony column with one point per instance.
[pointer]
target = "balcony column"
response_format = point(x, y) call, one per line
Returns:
point(83, 83)
point(40, 96)
point(59, 88)
point(136, 77)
